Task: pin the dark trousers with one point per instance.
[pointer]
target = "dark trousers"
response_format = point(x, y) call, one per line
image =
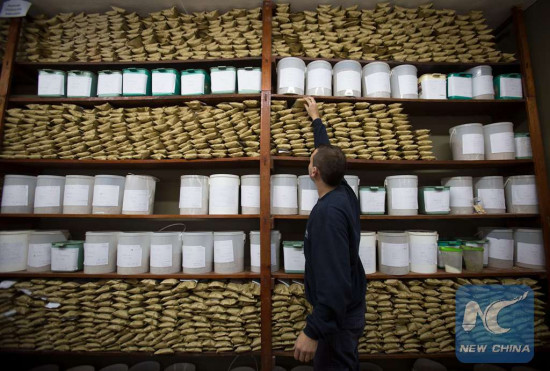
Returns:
point(338, 351)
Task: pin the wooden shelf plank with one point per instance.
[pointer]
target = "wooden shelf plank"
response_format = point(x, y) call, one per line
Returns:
point(487, 272)
point(423, 217)
point(214, 276)
point(118, 216)
point(413, 164)
point(41, 164)
point(37, 353)
point(370, 356)
point(430, 107)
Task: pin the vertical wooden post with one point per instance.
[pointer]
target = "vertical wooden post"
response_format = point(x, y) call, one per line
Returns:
point(7, 69)
point(534, 128)
point(265, 196)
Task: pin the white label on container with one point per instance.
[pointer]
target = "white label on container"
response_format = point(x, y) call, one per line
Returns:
point(501, 249)
point(309, 199)
point(285, 197)
point(249, 80)
point(291, 77)
point(135, 83)
point(319, 78)
point(52, 305)
point(460, 86)
point(473, 144)
point(524, 194)
point(502, 142)
point(15, 8)
point(51, 84)
point(161, 256)
point(348, 80)
point(462, 197)
point(424, 253)
point(223, 251)
point(109, 84)
point(437, 201)
point(11, 253)
point(106, 195)
point(192, 84)
point(194, 256)
point(224, 196)
point(129, 256)
point(164, 82)
point(79, 86)
point(530, 253)
point(190, 197)
point(255, 255)
point(378, 82)
point(96, 254)
point(64, 259)
point(492, 198)
point(250, 196)
point(434, 89)
point(47, 196)
point(373, 202)
point(483, 85)
point(395, 254)
point(294, 259)
point(523, 147)
point(76, 195)
point(404, 198)
point(6, 284)
point(222, 81)
point(39, 254)
point(136, 200)
point(15, 195)
point(510, 87)
point(408, 84)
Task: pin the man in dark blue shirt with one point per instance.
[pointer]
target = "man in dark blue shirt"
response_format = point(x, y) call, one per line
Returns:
point(335, 280)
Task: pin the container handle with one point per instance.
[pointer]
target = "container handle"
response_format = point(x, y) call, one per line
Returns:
point(375, 189)
point(222, 68)
point(451, 137)
point(439, 188)
point(190, 71)
point(506, 182)
point(171, 225)
point(249, 68)
point(160, 70)
point(47, 70)
point(132, 69)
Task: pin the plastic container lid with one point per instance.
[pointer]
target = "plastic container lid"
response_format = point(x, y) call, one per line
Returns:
point(20, 176)
point(393, 233)
point(135, 70)
point(224, 176)
point(460, 74)
point(222, 68)
point(450, 249)
point(110, 72)
point(402, 177)
point(472, 248)
point(293, 243)
point(373, 188)
point(80, 73)
point(69, 244)
point(436, 188)
point(110, 177)
point(520, 135)
point(165, 70)
point(53, 72)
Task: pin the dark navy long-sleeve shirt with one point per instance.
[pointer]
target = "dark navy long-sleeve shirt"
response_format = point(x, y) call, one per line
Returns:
point(335, 280)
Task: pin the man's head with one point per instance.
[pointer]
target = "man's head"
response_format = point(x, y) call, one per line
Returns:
point(327, 164)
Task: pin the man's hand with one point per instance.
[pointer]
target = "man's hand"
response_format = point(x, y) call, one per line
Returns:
point(305, 347)
point(311, 107)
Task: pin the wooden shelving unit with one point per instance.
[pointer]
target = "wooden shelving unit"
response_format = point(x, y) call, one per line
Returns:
point(267, 164)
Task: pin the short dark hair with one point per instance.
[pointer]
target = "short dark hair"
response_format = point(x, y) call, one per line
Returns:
point(331, 162)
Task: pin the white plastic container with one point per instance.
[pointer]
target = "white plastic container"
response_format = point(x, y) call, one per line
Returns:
point(255, 251)
point(195, 82)
point(108, 194)
point(284, 194)
point(48, 196)
point(402, 194)
point(404, 82)
point(307, 195)
point(67, 256)
point(508, 86)
point(81, 84)
point(373, 200)
point(250, 194)
point(165, 252)
point(109, 83)
point(393, 252)
point(139, 195)
point(462, 194)
point(18, 194)
point(482, 82)
point(435, 200)
point(346, 79)
point(165, 81)
point(529, 248)
point(423, 251)
point(319, 78)
point(133, 251)
point(432, 86)
point(459, 86)
point(14, 246)
point(136, 82)
point(501, 248)
point(197, 252)
point(467, 142)
point(353, 181)
point(100, 252)
point(291, 76)
point(51, 83)
point(224, 194)
point(367, 251)
point(490, 191)
point(521, 194)
point(376, 80)
point(249, 80)
point(499, 141)
point(229, 251)
point(294, 258)
point(522, 145)
point(193, 195)
point(39, 257)
point(223, 80)
point(78, 194)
